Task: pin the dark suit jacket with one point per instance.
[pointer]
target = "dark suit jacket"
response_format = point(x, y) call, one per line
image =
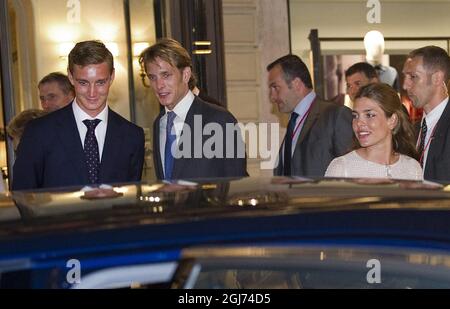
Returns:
point(205, 97)
point(326, 134)
point(202, 167)
point(438, 159)
point(50, 153)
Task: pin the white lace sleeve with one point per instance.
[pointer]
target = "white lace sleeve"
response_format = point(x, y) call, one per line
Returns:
point(336, 168)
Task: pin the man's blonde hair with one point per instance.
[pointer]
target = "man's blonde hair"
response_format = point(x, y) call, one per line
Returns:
point(170, 51)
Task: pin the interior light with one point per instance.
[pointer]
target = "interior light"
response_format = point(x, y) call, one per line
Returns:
point(139, 47)
point(202, 43)
point(65, 48)
point(113, 48)
point(202, 52)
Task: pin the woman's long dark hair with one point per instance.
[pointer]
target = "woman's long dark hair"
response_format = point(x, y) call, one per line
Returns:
point(389, 101)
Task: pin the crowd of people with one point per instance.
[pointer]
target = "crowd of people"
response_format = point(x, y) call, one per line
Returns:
point(78, 140)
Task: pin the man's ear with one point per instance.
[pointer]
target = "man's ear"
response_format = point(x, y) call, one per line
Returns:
point(69, 75)
point(113, 75)
point(297, 84)
point(187, 72)
point(437, 78)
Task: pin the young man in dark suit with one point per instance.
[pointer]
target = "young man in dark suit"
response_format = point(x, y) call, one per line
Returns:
point(318, 131)
point(426, 75)
point(181, 138)
point(84, 143)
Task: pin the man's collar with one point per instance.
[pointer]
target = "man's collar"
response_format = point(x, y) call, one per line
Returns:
point(81, 115)
point(305, 103)
point(182, 107)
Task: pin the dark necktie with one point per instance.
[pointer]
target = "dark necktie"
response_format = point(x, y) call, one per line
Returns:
point(91, 151)
point(288, 145)
point(170, 138)
point(423, 134)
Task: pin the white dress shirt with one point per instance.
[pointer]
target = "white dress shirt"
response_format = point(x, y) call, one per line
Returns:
point(432, 119)
point(181, 110)
point(100, 130)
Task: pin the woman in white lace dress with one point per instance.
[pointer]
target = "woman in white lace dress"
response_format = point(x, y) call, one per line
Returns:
point(383, 137)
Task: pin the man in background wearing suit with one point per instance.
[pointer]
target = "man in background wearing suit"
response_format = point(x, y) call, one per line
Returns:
point(318, 131)
point(359, 75)
point(169, 69)
point(55, 91)
point(84, 143)
point(426, 74)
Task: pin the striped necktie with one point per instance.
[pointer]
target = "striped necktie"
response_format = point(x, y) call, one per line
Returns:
point(423, 134)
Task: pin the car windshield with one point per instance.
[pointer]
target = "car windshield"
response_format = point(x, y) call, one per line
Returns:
point(311, 268)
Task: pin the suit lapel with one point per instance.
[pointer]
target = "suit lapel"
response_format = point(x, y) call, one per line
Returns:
point(70, 139)
point(179, 164)
point(442, 129)
point(111, 148)
point(156, 148)
point(309, 121)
